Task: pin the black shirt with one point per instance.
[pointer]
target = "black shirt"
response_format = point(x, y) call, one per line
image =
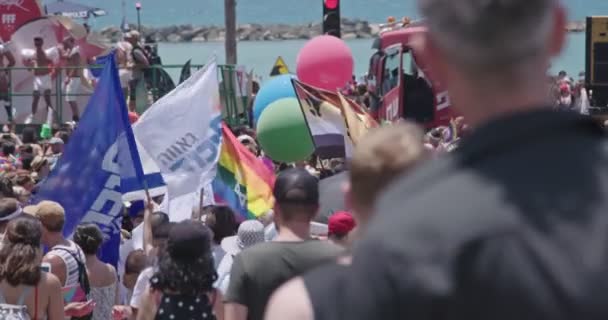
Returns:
point(512, 225)
point(261, 269)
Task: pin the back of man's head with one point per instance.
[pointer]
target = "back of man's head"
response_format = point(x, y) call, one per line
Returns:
point(379, 158)
point(490, 37)
point(159, 223)
point(296, 193)
point(136, 262)
point(51, 214)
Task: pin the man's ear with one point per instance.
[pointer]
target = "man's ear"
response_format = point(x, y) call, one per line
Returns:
point(559, 34)
point(430, 55)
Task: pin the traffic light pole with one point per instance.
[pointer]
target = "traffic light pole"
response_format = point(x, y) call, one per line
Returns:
point(331, 18)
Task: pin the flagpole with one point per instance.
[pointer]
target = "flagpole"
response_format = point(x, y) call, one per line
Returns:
point(295, 88)
point(199, 211)
point(147, 191)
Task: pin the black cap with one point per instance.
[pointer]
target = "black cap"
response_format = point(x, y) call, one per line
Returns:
point(188, 240)
point(296, 186)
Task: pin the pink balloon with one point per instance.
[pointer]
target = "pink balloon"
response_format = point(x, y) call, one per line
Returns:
point(325, 62)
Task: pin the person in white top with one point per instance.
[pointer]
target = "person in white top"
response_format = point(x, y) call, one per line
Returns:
point(251, 232)
point(157, 226)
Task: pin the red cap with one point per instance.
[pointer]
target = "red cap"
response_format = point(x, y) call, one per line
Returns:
point(133, 117)
point(341, 223)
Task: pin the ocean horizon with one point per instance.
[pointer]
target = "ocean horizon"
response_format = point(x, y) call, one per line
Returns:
point(260, 55)
point(211, 12)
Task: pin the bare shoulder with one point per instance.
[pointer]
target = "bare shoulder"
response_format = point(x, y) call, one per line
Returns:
point(111, 270)
point(54, 260)
point(51, 281)
point(290, 301)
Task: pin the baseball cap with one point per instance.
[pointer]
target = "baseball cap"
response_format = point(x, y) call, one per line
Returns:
point(341, 223)
point(250, 232)
point(296, 186)
point(188, 241)
point(55, 140)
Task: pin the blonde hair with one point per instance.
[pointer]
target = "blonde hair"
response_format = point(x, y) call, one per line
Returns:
point(380, 157)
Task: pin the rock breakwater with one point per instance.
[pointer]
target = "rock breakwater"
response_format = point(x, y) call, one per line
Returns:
point(351, 29)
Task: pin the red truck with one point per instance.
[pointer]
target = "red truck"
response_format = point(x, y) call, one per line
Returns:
point(400, 83)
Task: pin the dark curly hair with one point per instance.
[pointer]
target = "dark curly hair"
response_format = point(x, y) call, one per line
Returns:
point(187, 278)
point(29, 135)
point(221, 220)
point(88, 237)
point(20, 253)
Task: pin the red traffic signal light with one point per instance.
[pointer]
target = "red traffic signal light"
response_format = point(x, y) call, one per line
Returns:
point(331, 4)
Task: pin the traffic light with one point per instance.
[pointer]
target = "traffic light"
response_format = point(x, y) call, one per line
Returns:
point(596, 64)
point(331, 17)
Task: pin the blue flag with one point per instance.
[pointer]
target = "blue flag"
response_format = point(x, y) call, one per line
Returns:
point(101, 152)
point(101, 61)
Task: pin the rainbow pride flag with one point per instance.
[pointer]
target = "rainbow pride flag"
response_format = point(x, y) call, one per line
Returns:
point(242, 181)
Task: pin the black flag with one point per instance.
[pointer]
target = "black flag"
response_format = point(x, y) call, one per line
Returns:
point(185, 74)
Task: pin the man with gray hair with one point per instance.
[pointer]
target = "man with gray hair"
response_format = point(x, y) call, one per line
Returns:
point(501, 228)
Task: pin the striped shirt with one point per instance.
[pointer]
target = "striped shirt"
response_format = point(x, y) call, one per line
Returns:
point(71, 265)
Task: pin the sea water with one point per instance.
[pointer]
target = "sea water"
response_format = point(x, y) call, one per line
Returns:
point(260, 56)
point(211, 12)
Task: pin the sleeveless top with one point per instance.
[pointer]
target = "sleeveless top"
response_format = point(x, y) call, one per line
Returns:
point(71, 265)
point(104, 298)
point(17, 310)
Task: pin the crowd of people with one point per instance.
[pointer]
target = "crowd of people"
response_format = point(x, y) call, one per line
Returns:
point(481, 219)
point(133, 59)
point(206, 267)
point(569, 94)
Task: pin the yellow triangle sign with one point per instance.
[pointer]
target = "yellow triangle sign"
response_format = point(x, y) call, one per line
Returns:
point(280, 67)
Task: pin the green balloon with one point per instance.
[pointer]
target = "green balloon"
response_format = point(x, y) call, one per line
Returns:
point(282, 131)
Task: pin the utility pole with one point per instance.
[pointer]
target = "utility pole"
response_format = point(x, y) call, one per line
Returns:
point(230, 42)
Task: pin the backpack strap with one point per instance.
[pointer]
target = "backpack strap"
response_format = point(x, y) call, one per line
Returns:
point(83, 279)
point(2, 300)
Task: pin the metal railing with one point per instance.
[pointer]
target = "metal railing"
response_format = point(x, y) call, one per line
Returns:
point(234, 97)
